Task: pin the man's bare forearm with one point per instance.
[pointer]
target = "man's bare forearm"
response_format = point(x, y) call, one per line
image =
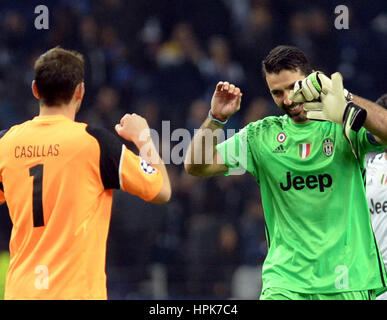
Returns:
point(201, 151)
point(376, 121)
point(202, 159)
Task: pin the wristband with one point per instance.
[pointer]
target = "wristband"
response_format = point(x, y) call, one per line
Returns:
point(215, 119)
point(353, 119)
point(354, 116)
point(348, 95)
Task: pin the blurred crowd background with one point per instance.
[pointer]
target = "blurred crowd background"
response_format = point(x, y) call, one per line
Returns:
point(162, 60)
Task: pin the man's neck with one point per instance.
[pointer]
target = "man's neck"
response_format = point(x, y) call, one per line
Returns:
point(65, 110)
point(300, 122)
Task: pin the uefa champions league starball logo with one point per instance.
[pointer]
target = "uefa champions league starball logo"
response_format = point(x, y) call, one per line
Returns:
point(147, 168)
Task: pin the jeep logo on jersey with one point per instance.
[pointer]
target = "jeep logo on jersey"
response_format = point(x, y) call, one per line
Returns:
point(378, 207)
point(328, 147)
point(321, 181)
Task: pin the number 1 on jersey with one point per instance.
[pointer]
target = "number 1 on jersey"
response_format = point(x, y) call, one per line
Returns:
point(37, 193)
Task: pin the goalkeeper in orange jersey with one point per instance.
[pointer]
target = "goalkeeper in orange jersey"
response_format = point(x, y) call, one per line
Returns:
point(57, 177)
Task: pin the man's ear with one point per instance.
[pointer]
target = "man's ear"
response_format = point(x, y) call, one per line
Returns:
point(79, 91)
point(35, 90)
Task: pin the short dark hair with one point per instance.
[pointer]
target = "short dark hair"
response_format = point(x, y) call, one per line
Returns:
point(382, 101)
point(57, 73)
point(286, 58)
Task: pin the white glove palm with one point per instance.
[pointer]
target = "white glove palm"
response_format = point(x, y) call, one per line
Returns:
point(322, 98)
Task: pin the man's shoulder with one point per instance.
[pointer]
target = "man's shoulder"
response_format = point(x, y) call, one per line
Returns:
point(103, 135)
point(5, 132)
point(107, 141)
point(268, 122)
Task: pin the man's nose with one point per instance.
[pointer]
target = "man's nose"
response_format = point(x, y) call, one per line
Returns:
point(287, 101)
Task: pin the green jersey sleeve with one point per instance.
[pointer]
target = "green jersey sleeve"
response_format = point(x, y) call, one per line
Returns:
point(366, 142)
point(236, 153)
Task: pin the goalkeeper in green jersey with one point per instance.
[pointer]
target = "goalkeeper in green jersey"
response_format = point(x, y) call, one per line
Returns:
point(311, 176)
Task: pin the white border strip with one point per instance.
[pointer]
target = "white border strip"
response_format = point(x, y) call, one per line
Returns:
point(120, 166)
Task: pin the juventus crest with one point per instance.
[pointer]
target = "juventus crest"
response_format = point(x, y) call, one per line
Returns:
point(328, 147)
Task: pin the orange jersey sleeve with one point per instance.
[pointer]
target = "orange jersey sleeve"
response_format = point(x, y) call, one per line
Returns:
point(138, 177)
point(122, 169)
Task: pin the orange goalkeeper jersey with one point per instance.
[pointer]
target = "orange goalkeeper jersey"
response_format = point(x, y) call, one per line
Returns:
point(57, 177)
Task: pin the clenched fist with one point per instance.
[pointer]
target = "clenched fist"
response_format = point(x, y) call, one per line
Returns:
point(135, 128)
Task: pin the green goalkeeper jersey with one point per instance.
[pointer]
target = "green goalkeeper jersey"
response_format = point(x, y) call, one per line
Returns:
point(318, 228)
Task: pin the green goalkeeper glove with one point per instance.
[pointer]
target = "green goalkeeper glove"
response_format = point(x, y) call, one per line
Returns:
point(326, 99)
point(311, 87)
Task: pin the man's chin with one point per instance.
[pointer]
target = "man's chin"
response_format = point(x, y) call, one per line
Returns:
point(299, 118)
